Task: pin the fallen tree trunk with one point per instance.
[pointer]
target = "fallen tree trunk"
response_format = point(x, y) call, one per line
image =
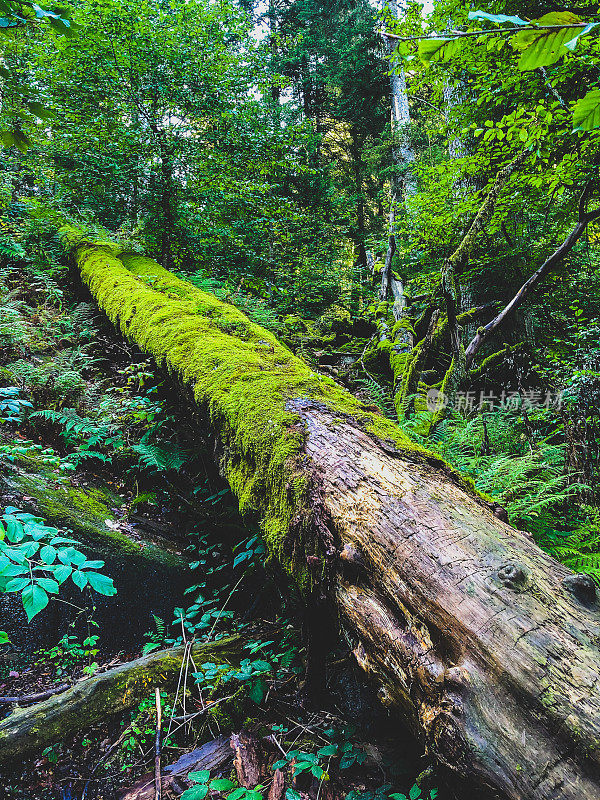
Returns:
point(30, 730)
point(486, 645)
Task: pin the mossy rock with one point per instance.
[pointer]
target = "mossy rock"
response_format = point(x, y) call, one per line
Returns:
point(150, 575)
point(336, 319)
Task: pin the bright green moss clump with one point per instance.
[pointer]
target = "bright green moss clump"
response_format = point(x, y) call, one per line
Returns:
point(237, 369)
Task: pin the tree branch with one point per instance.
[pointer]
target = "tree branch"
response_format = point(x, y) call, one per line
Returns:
point(584, 219)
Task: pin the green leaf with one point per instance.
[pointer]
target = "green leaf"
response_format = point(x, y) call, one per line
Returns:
point(302, 767)
point(201, 776)
point(48, 584)
point(92, 565)
point(431, 50)
point(586, 112)
point(34, 600)
point(328, 750)
point(543, 47)
point(237, 793)
point(195, 793)
point(62, 572)
point(38, 110)
point(29, 549)
point(292, 794)
point(100, 583)
point(257, 692)
point(415, 792)
point(221, 785)
point(13, 570)
point(14, 528)
point(80, 579)
point(17, 584)
point(48, 554)
point(4, 637)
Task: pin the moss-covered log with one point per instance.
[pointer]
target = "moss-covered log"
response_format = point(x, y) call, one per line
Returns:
point(488, 647)
point(133, 558)
point(29, 730)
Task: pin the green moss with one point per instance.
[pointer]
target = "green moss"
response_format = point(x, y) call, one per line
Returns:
point(336, 319)
point(402, 324)
point(87, 512)
point(242, 374)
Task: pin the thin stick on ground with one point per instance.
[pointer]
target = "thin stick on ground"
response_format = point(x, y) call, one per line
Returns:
point(157, 743)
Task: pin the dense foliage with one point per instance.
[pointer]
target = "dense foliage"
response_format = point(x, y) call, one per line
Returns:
point(443, 266)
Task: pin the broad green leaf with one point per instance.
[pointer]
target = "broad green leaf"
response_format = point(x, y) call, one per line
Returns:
point(195, 793)
point(237, 793)
point(257, 692)
point(328, 750)
point(586, 112)
point(222, 785)
point(34, 600)
point(543, 47)
point(49, 584)
point(100, 583)
point(415, 792)
point(14, 569)
point(200, 776)
point(91, 565)
point(62, 572)
point(80, 579)
point(38, 110)
point(4, 638)
point(14, 528)
point(48, 554)
point(29, 548)
point(17, 584)
point(431, 50)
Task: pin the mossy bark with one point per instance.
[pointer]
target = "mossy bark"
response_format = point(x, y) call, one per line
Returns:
point(487, 646)
point(28, 731)
point(133, 559)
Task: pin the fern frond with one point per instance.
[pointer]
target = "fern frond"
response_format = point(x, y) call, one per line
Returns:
point(160, 456)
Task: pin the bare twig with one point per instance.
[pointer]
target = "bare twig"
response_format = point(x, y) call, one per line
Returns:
point(157, 744)
point(27, 699)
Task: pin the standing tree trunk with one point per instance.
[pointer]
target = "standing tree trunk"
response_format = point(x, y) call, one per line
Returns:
point(401, 187)
point(168, 217)
point(487, 647)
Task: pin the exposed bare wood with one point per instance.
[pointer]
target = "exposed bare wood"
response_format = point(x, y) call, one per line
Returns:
point(213, 756)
